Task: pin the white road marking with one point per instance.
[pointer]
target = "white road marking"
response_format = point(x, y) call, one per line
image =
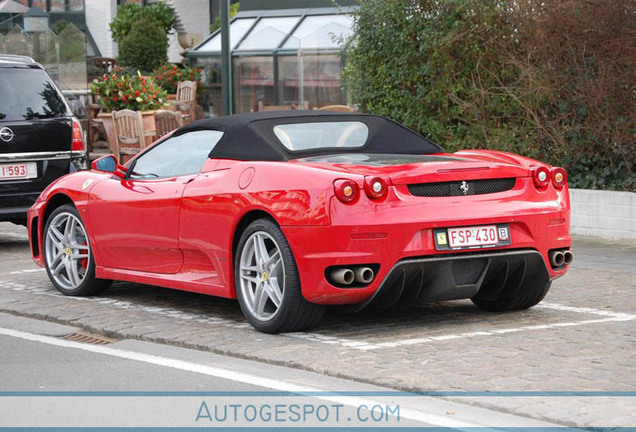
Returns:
point(37, 270)
point(13, 236)
point(230, 375)
point(126, 305)
point(404, 342)
point(583, 310)
point(23, 271)
point(368, 346)
point(609, 316)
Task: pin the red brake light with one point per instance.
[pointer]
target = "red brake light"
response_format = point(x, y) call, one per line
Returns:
point(559, 177)
point(375, 187)
point(346, 190)
point(541, 177)
point(78, 137)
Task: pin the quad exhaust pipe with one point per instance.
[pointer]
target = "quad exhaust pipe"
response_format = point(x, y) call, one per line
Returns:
point(557, 259)
point(560, 258)
point(343, 276)
point(364, 275)
point(361, 275)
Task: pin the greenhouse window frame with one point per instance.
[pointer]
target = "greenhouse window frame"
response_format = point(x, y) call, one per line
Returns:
point(273, 53)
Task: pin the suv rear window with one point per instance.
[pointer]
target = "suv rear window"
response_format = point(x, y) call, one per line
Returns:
point(27, 94)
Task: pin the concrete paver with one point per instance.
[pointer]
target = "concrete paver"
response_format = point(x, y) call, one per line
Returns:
point(581, 339)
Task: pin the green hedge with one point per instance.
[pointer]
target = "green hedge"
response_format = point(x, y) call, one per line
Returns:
point(128, 15)
point(550, 79)
point(145, 47)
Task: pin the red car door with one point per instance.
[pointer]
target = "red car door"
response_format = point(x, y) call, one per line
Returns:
point(135, 223)
point(135, 220)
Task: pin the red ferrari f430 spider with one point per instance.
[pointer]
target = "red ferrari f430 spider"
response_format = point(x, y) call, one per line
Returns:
point(292, 211)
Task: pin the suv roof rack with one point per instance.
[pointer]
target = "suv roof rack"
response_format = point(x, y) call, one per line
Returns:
point(17, 58)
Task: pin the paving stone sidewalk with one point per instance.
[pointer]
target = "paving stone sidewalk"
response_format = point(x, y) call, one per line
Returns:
point(580, 339)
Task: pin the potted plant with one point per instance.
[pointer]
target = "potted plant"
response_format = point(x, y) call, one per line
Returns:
point(135, 92)
point(169, 75)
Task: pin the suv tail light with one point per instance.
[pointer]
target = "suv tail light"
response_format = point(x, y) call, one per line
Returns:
point(375, 187)
point(541, 177)
point(346, 190)
point(78, 137)
point(559, 177)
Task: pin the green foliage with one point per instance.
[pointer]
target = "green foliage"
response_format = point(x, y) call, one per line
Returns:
point(72, 42)
point(133, 92)
point(216, 24)
point(435, 66)
point(145, 47)
point(58, 26)
point(499, 74)
point(128, 15)
point(169, 75)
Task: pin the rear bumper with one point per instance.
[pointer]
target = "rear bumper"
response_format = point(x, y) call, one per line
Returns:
point(389, 245)
point(15, 206)
point(17, 196)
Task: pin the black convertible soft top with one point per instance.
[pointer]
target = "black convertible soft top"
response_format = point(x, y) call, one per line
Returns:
point(251, 136)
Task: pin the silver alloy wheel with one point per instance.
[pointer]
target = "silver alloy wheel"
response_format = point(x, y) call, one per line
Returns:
point(262, 276)
point(67, 251)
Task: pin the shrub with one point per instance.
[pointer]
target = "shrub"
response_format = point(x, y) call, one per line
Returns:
point(145, 47)
point(169, 75)
point(579, 57)
point(437, 67)
point(549, 79)
point(58, 26)
point(133, 92)
point(72, 42)
point(128, 15)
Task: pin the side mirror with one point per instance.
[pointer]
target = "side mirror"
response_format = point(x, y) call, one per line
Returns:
point(109, 164)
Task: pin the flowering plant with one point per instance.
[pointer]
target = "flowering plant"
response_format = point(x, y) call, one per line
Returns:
point(169, 75)
point(133, 92)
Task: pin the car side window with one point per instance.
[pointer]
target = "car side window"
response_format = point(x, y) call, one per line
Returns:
point(176, 156)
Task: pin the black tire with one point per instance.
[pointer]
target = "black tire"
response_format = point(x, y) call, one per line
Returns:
point(509, 301)
point(89, 284)
point(294, 313)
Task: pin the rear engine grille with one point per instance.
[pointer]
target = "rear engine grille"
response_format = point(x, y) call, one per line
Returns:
point(460, 188)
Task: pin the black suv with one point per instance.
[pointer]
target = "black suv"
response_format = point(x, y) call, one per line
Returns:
point(40, 140)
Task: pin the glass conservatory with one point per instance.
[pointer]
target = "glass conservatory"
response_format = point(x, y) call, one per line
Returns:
point(280, 58)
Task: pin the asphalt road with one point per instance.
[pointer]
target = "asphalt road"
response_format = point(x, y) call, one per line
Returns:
point(37, 366)
point(579, 339)
point(48, 380)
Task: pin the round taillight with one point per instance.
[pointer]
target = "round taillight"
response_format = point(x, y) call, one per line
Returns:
point(559, 177)
point(375, 187)
point(346, 190)
point(541, 177)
